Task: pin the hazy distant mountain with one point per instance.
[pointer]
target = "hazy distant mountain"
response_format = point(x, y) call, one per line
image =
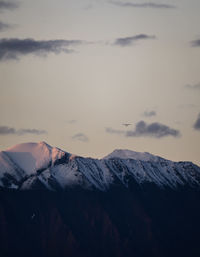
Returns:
point(128, 204)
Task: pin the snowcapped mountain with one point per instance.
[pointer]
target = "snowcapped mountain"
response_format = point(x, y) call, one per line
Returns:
point(38, 165)
point(128, 154)
point(157, 216)
point(31, 157)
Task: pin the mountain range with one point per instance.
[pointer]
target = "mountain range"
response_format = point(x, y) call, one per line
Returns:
point(128, 204)
point(40, 166)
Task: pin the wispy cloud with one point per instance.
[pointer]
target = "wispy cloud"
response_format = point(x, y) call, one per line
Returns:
point(193, 87)
point(197, 123)
point(142, 129)
point(128, 41)
point(5, 130)
point(149, 114)
point(4, 26)
point(115, 131)
point(143, 5)
point(8, 5)
point(14, 48)
point(31, 131)
point(81, 137)
point(71, 121)
point(187, 106)
point(195, 43)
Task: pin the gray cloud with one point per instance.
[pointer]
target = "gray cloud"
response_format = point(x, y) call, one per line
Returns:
point(115, 131)
point(197, 123)
point(8, 5)
point(193, 87)
point(4, 130)
point(81, 137)
point(143, 5)
point(31, 131)
point(154, 129)
point(127, 41)
point(4, 26)
point(195, 43)
point(142, 129)
point(149, 113)
point(13, 48)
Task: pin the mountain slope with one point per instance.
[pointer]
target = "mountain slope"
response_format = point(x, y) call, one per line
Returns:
point(38, 165)
point(79, 223)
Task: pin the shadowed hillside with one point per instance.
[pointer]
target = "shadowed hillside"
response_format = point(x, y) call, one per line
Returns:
point(135, 222)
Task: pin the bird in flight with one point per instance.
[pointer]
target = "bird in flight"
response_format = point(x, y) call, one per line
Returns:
point(126, 124)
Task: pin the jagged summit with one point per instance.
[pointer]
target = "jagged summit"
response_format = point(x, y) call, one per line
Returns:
point(38, 165)
point(128, 154)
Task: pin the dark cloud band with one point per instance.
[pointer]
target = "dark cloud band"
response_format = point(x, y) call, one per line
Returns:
point(4, 130)
point(14, 48)
point(8, 5)
point(142, 129)
point(127, 41)
point(143, 5)
point(155, 129)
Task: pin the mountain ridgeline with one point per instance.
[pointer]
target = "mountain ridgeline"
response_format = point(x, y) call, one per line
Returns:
point(40, 166)
point(128, 204)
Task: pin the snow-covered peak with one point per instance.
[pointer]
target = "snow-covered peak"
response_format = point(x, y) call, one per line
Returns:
point(27, 147)
point(31, 157)
point(33, 165)
point(128, 154)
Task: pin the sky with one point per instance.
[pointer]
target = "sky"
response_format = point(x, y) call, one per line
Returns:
point(73, 72)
